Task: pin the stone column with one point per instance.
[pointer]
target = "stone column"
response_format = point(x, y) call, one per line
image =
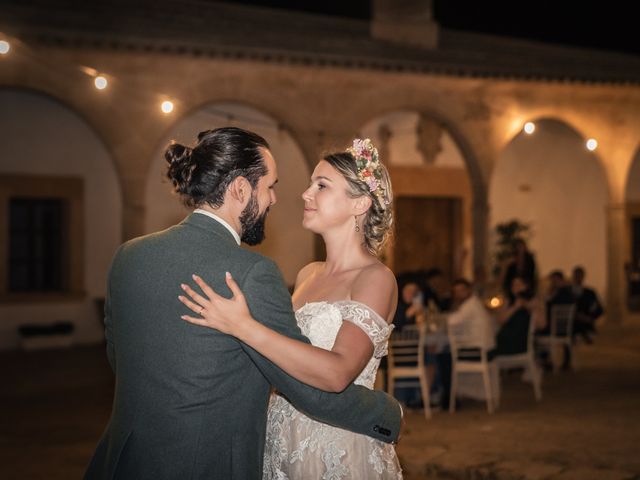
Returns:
point(133, 158)
point(479, 156)
point(616, 253)
point(480, 229)
point(133, 208)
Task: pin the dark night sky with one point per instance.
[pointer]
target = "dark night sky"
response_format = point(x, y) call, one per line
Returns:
point(603, 24)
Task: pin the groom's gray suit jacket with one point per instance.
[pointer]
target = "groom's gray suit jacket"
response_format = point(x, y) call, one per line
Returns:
point(191, 402)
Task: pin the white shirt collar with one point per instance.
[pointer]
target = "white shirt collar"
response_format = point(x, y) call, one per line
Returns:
point(221, 221)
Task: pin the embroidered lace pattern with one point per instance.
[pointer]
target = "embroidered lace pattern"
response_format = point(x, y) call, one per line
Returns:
point(298, 447)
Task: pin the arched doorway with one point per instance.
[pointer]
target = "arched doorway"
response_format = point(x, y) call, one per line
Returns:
point(52, 161)
point(551, 182)
point(632, 255)
point(287, 242)
point(432, 190)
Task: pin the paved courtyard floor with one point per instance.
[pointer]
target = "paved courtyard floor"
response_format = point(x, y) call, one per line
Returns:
point(55, 404)
point(586, 427)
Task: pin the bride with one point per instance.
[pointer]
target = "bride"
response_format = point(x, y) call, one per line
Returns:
point(344, 305)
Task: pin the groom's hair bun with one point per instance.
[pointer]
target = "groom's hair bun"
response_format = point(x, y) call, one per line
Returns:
point(201, 175)
point(181, 167)
point(378, 221)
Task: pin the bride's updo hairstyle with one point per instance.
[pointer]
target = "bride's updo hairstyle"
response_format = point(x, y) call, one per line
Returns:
point(201, 175)
point(366, 175)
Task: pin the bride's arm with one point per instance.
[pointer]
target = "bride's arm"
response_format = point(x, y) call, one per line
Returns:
point(327, 370)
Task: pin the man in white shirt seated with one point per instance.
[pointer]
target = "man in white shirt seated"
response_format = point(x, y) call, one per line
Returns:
point(470, 321)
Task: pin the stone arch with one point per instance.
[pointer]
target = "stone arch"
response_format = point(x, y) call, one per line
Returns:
point(46, 91)
point(632, 184)
point(479, 185)
point(534, 180)
point(43, 139)
point(440, 151)
point(283, 230)
point(578, 122)
point(261, 105)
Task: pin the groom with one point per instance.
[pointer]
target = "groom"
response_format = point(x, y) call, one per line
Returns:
point(190, 402)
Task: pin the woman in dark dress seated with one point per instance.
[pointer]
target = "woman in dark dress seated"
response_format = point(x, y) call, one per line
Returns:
point(520, 308)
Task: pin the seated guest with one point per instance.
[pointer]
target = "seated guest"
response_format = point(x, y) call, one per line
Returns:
point(588, 307)
point(514, 318)
point(409, 306)
point(469, 321)
point(436, 292)
point(559, 293)
point(408, 293)
point(410, 311)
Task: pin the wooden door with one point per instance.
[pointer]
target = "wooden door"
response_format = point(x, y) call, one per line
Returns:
point(428, 233)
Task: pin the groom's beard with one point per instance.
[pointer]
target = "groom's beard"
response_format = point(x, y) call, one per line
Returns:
point(252, 222)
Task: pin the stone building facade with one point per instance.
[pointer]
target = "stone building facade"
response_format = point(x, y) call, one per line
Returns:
point(312, 83)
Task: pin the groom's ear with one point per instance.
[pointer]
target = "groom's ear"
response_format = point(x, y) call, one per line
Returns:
point(361, 204)
point(240, 190)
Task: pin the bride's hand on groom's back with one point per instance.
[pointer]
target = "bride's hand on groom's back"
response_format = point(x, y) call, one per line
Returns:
point(228, 315)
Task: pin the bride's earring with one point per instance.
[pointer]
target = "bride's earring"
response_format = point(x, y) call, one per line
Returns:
point(357, 226)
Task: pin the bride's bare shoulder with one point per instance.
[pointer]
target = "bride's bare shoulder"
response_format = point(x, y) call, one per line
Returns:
point(306, 271)
point(377, 273)
point(376, 287)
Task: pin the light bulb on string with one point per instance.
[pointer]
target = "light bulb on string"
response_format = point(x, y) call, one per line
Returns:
point(592, 144)
point(529, 128)
point(100, 82)
point(4, 47)
point(166, 106)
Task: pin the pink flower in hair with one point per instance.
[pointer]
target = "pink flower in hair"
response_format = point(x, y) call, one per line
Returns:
point(373, 183)
point(368, 166)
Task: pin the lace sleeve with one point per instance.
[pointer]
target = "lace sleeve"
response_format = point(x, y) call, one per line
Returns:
point(370, 322)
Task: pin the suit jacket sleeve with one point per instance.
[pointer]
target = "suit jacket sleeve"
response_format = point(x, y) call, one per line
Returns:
point(108, 334)
point(108, 324)
point(358, 409)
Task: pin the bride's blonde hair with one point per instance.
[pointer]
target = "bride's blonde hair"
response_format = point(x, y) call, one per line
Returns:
point(378, 220)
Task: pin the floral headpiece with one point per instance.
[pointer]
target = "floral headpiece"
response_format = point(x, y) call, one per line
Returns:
point(368, 166)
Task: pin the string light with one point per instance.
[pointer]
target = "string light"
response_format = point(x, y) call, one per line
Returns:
point(166, 106)
point(100, 82)
point(529, 128)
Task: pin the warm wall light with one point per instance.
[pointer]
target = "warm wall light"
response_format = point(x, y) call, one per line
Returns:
point(592, 144)
point(167, 106)
point(529, 128)
point(100, 82)
point(495, 302)
point(4, 47)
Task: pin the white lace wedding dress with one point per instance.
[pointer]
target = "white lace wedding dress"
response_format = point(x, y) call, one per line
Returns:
point(299, 448)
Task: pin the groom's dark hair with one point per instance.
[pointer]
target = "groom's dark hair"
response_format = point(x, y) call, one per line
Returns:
point(201, 175)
